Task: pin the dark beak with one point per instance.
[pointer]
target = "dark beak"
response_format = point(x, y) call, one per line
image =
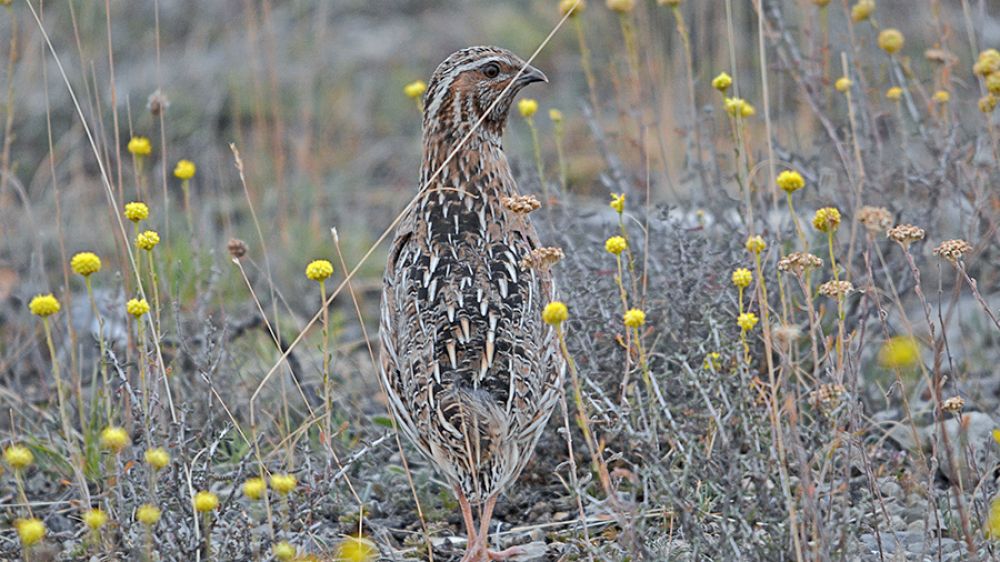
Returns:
point(530, 75)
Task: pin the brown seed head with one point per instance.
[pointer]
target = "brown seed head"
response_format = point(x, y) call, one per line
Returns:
point(828, 395)
point(521, 204)
point(953, 250)
point(836, 289)
point(799, 262)
point(237, 248)
point(906, 234)
point(542, 258)
point(157, 103)
point(953, 405)
point(875, 219)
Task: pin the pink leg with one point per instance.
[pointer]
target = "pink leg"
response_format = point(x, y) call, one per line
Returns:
point(484, 534)
point(472, 545)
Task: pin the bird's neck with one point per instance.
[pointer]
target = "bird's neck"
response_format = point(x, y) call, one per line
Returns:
point(455, 158)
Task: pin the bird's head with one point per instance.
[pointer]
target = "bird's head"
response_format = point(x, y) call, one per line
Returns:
point(474, 82)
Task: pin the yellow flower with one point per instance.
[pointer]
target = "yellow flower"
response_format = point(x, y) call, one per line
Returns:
point(148, 514)
point(722, 82)
point(756, 245)
point(891, 40)
point(899, 352)
point(555, 116)
point(139, 146)
point(30, 531)
point(44, 305)
point(942, 96)
point(283, 483)
point(894, 93)
point(616, 245)
point(184, 169)
point(713, 361)
point(996, 436)
point(621, 6)
point(94, 519)
point(742, 278)
point(671, 3)
point(114, 439)
point(157, 458)
point(987, 63)
point(284, 551)
point(988, 103)
point(634, 318)
point(747, 321)
point(826, 219)
point(992, 530)
point(356, 549)
point(147, 240)
point(821, 3)
point(319, 270)
point(18, 457)
point(415, 89)
point(555, 313)
point(137, 307)
point(842, 84)
point(618, 202)
point(738, 107)
point(205, 501)
point(136, 211)
point(790, 181)
point(565, 6)
point(527, 107)
point(862, 10)
point(993, 82)
point(254, 488)
point(85, 263)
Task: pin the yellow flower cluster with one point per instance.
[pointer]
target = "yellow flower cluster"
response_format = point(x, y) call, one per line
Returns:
point(988, 68)
point(284, 551)
point(567, 7)
point(137, 307)
point(415, 89)
point(843, 84)
point(942, 96)
point(738, 107)
point(94, 519)
point(618, 202)
point(992, 530)
point(899, 352)
point(527, 107)
point(747, 321)
point(148, 514)
point(140, 146)
point(30, 531)
point(254, 488)
point(319, 270)
point(18, 457)
point(790, 181)
point(891, 40)
point(616, 245)
point(621, 6)
point(356, 549)
point(136, 211)
point(284, 484)
point(114, 439)
point(44, 305)
point(147, 240)
point(894, 93)
point(713, 361)
point(862, 10)
point(722, 82)
point(555, 313)
point(205, 501)
point(826, 219)
point(634, 318)
point(157, 458)
point(742, 278)
point(184, 170)
point(85, 263)
point(756, 245)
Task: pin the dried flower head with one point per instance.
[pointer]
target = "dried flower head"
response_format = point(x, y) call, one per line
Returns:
point(722, 82)
point(842, 84)
point(542, 258)
point(742, 277)
point(319, 270)
point(786, 334)
point(184, 170)
point(618, 202)
point(875, 219)
point(756, 245)
point(953, 405)
point(140, 146)
point(30, 531)
point(527, 107)
point(634, 318)
point(826, 219)
point(95, 518)
point(905, 234)
point(555, 313)
point(799, 262)
point(894, 93)
point(827, 396)
point(953, 250)
point(572, 7)
point(137, 307)
point(114, 439)
point(415, 89)
point(284, 484)
point(836, 289)
point(136, 211)
point(157, 458)
point(891, 40)
point(147, 240)
point(148, 514)
point(157, 103)
point(862, 10)
point(899, 352)
point(237, 248)
point(18, 457)
point(205, 501)
point(44, 305)
point(521, 204)
point(254, 488)
point(671, 3)
point(790, 181)
point(747, 321)
point(616, 245)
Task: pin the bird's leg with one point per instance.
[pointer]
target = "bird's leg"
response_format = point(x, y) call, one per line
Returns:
point(472, 545)
point(484, 534)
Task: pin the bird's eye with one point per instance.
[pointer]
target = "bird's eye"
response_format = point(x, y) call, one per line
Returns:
point(491, 70)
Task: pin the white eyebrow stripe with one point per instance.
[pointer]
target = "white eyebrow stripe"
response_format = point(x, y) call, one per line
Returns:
point(438, 94)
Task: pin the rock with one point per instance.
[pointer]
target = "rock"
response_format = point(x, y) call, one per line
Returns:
point(969, 438)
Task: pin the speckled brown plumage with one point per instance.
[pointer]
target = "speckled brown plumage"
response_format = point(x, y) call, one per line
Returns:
point(471, 371)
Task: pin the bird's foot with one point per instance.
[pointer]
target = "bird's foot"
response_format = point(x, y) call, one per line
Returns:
point(505, 554)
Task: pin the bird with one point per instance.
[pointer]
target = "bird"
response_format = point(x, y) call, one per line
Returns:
point(470, 370)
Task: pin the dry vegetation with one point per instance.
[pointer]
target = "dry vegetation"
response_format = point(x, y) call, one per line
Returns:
point(789, 354)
